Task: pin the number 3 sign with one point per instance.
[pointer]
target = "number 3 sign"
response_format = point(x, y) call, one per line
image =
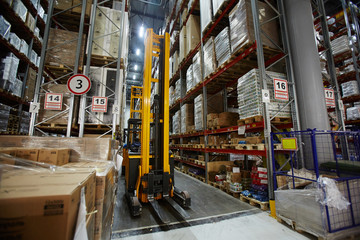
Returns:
point(79, 84)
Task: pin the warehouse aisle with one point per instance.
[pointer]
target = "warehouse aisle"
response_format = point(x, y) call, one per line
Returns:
point(209, 206)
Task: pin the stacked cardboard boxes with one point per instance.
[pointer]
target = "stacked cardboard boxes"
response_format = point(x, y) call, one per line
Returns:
point(192, 33)
point(187, 117)
point(182, 44)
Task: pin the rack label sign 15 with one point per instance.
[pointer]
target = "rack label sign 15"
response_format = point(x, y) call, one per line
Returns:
point(53, 101)
point(281, 89)
point(79, 84)
point(329, 97)
point(99, 104)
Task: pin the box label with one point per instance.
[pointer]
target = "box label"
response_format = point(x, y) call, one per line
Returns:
point(329, 97)
point(99, 104)
point(53, 101)
point(281, 89)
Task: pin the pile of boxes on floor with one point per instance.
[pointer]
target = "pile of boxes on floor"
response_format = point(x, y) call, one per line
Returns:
point(9, 80)
point(218, 49)
point(50, 191)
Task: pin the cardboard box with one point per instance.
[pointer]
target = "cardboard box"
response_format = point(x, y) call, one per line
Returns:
point(54, 156)
point(79, 8)
point(43, 211)
point(193, 34)
point(253, 140)
point(235, 177)
point(90, 225)
point(7, 156)
point(31, 154)
point(30, 85)
point(30, 22)
point(182, 44)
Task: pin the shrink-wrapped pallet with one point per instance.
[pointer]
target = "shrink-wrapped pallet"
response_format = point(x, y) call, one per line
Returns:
point(187, 117)
point(214, 105)
point(222, 46)
point(353, 113)
point(171, 95)
point(5, 27)
point(4, 117)
point(197, 68)
point(349, 89)
point(250, 97)
point(189, 79)
point(182, 44)
point(193, 33)
point(176, 123)
point(205, 13)
point(210, 57)
point(177, 90)
point(198, 112)
point(340, 45)
point(242, 25)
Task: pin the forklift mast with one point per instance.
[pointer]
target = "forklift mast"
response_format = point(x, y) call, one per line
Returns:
point(149, 173)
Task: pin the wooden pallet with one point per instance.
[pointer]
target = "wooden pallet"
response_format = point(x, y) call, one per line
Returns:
point(281, 120)
point(98, 60)
point(97, 126)
point(53, 125)
point(253, 202)
point(277, 146)
point(57, 70)
point(250, 147)
point(200, 162)
point(250, 120)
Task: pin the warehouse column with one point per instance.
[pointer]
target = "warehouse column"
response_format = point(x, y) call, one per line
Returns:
point(306, 65)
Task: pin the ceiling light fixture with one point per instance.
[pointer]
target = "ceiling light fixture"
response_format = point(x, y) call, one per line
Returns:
point(135, 67)
point(134, 77)
point(141, 31)
point(137, 52)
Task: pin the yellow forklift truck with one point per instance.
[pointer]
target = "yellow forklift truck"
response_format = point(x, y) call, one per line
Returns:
point(149, 166)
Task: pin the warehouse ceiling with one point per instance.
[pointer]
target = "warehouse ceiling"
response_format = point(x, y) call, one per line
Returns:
point(149, 14)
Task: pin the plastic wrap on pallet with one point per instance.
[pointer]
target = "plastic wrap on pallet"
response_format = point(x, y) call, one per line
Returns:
point(353, 113)
point(197, 68)
point(177, 90)
point(33, 57)
point(82, 149)
point(216, 4)
point(210, 56)
point(9, 67)
point(205, 13)
point(198, 113)
point(176, 123)
point(242, 26)
point(222, 46)
point(24, 47)
point(17, 87)
point(14, 40)
point(19, 9)
point(4, 27)
point(4, 117)
point(340, 45)
point(171, 95)
point(189, 79)
point(350, 88)
point(250, 98)
point(193, 33)
point(187, 117)
point(24, 122)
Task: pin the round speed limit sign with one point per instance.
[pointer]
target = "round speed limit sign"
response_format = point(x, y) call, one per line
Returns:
point(79, 84)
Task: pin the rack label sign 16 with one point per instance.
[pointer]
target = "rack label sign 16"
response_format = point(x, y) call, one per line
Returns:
point(99, 104)
point(281, 89)
point(329, 97)
point(53, 101)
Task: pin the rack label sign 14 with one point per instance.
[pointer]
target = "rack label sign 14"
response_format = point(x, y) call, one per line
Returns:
point(329, 97)
point(79, 84)
point(53, 101)
point(281, 89)
point(99, 104)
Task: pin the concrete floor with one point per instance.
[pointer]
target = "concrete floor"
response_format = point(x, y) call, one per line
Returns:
point(213, 215)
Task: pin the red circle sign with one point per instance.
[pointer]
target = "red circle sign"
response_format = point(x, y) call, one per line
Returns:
point(79, 84)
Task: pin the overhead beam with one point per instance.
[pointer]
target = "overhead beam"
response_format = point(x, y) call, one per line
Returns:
point(147, 15)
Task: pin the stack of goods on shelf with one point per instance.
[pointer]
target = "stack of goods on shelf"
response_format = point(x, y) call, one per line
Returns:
point(224, 119)
point(250, 98)
point(340, 45)
point(197, 68)
point(13, 124)
point(30, 86)
point(24, 122)
point(53, 116)
point(8, 70)
point(64, 5)
point(182, 44)
point(4, 117)
point(205, 13)
point(5, 27)
point(187, 117)
point(217, 140)
point(214, 104)
point(242, 26)
point(350, 88)
point(193, 34)
point(107, 32)
point(209, 55)
point(176, 123)
point(171, 95)
point(259, 186)
point(222, 46)
point(20, 9)
point(177, 90)
point(189, 79)
point(353, 113)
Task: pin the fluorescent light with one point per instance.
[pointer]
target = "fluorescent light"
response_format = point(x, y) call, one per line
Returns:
point(138, 52)
point(134, 77)
point(135, 67)
point(141, 31)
